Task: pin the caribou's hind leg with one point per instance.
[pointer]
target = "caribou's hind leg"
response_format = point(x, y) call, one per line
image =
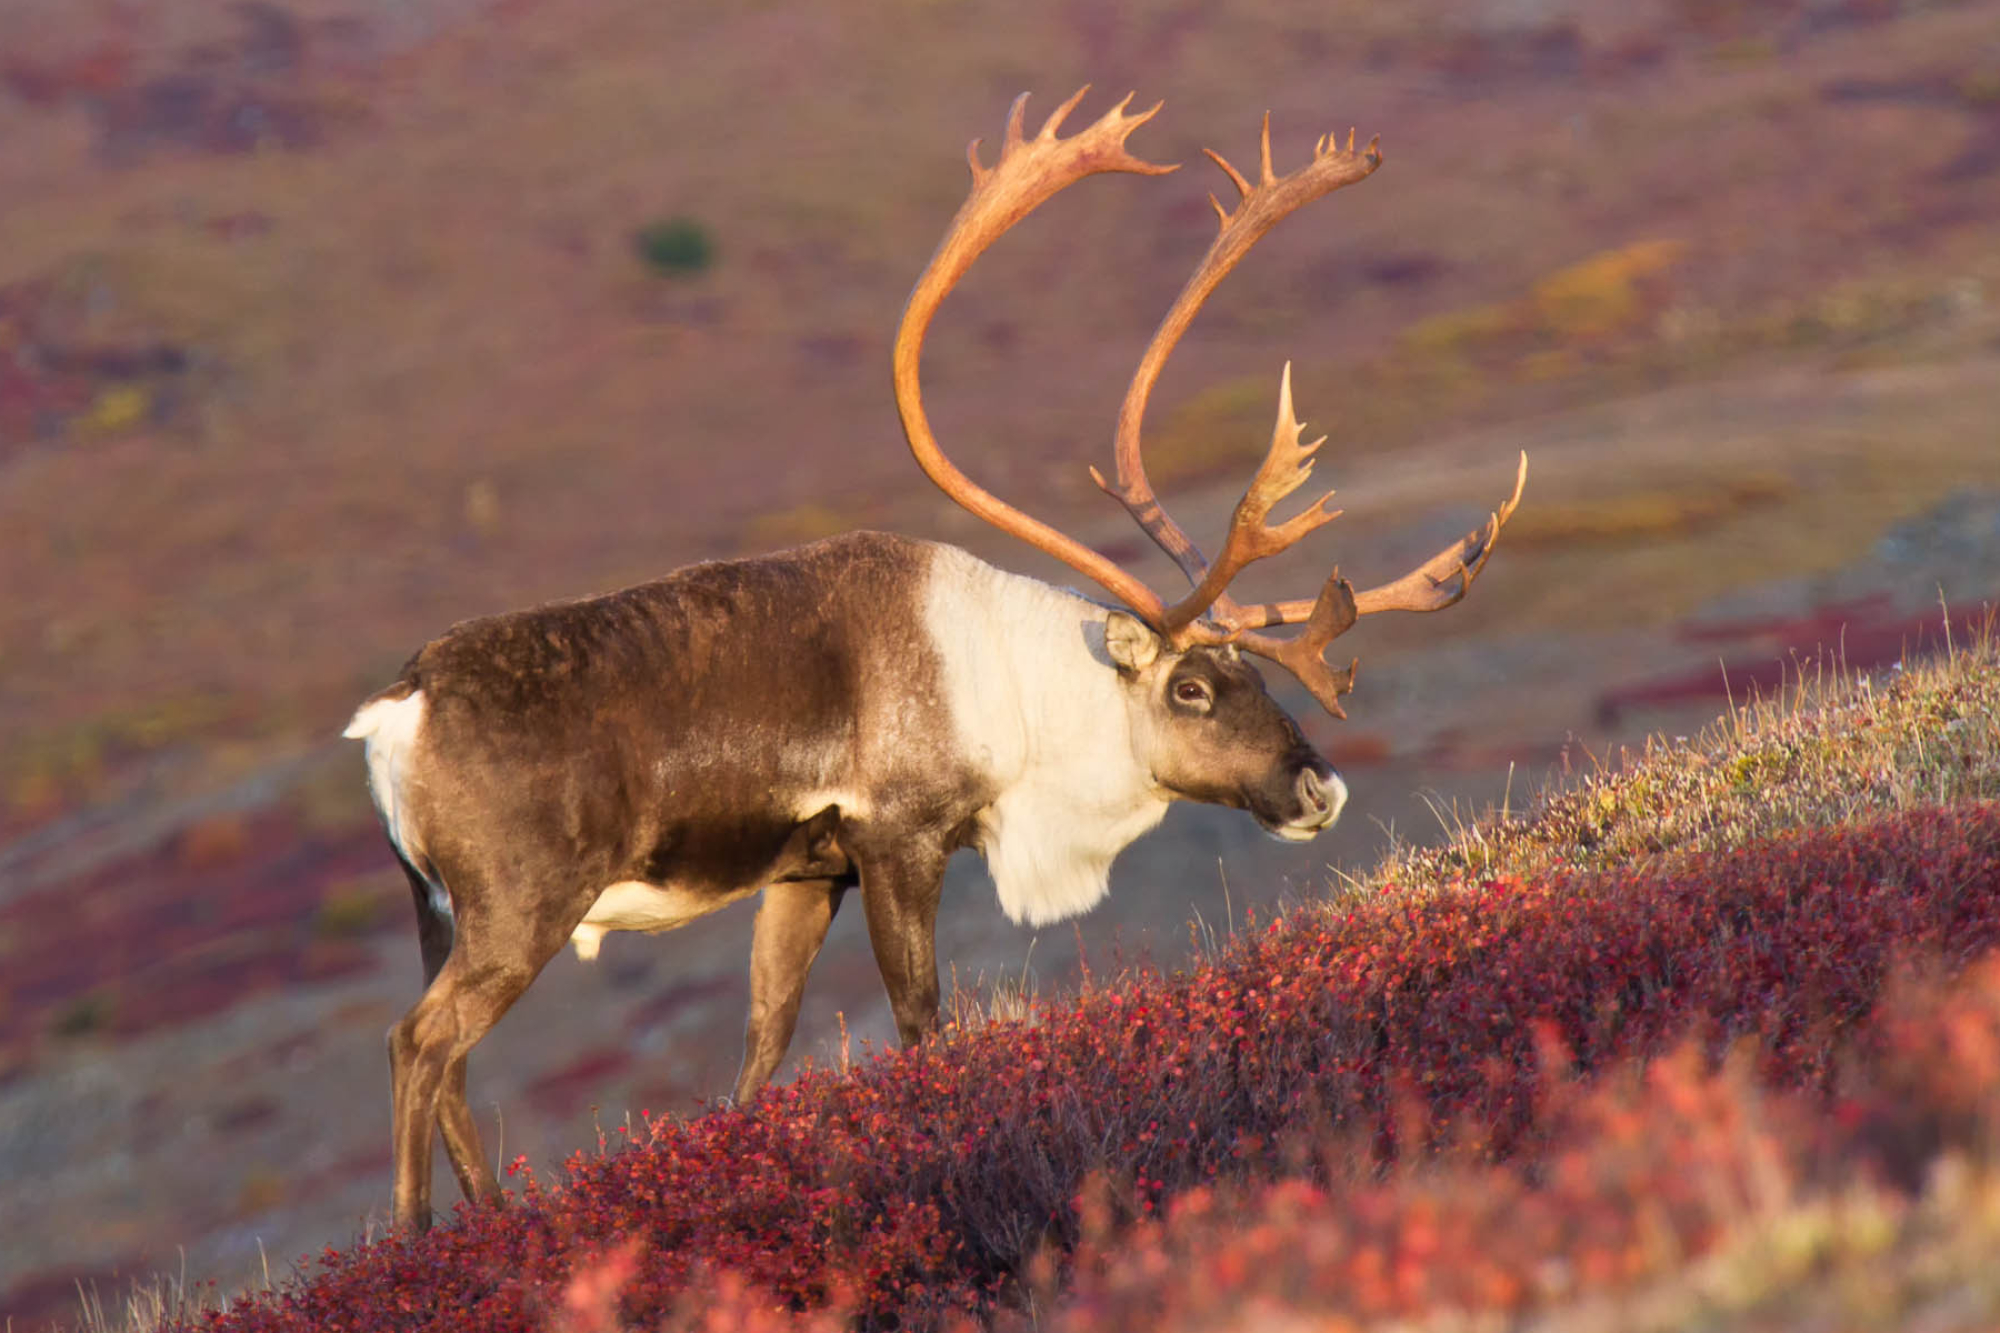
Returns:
point(806, 883)
point(434, 923)
point(791, 925)
point(492, 955)
point(454, 1117)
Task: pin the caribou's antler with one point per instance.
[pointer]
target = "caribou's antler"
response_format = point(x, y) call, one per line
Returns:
point(1028, 172)
point(1251, 534)
point(1259, 208)
point(1432, 586)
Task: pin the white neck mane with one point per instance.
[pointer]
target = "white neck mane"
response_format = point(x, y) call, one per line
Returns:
point(1039, 711)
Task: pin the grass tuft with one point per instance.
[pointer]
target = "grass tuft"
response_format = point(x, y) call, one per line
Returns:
point(1834, 746)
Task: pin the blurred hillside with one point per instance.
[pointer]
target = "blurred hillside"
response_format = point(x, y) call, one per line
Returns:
point(325, 324)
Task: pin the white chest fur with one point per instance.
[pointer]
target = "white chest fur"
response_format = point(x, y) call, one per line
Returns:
point(1040, 711)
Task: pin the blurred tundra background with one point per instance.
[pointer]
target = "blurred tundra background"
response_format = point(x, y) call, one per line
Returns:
point(326, 323)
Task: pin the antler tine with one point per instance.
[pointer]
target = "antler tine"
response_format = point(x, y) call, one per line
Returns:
point(1242, 185)
point(1265, 174)
point(1028, 173)
point(1016, 113)
point(1439, 582)
point(1251, 534)
point(1261, 207)
point(1333, 614)
point(1447, 576)
point(1061, 113)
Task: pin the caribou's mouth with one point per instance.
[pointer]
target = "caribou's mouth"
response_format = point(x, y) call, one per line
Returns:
point(1305, 829)
point(1321, 797)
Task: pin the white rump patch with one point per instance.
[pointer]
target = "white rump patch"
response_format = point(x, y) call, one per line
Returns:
point(631, 904)
point(389, 728)
point(1039, 710)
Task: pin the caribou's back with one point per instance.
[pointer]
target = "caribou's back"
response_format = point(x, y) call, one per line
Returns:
point(679, 730)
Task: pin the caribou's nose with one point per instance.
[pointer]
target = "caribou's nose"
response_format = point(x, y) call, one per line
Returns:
point(1322, 795)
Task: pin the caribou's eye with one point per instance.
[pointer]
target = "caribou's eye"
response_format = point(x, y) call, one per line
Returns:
point(1193, 693)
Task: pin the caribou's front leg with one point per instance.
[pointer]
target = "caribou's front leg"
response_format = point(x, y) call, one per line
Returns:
point(900, 887)
point(791, 925)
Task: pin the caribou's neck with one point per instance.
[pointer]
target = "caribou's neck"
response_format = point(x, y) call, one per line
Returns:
point(1041, 715)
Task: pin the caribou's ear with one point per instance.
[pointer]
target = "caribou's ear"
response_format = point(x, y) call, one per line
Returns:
point(1130, 641)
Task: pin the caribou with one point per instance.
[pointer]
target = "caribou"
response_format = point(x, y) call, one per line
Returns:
point(848, 714)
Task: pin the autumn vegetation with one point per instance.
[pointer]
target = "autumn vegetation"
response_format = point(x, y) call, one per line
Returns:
point(1715, 1035)
point(256, 257)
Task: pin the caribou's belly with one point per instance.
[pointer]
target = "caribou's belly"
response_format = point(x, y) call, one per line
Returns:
point(633, 905)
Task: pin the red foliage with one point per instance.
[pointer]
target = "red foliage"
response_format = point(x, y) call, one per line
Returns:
point(923, 1185)
point(175, 934)
point(1638, 1175)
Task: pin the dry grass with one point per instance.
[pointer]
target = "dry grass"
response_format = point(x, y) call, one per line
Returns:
point(1867, 1258)
point(1835, 746)
point(148, 1304)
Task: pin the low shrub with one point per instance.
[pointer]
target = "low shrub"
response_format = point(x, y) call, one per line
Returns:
point(923, 1185)
point(675, 246)
point(1799, 1218)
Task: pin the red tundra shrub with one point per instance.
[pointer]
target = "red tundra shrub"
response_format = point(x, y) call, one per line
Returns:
point(921, 1186)
point(1642, 1173)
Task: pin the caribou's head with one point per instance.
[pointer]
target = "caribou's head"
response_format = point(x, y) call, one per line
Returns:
point(1206, 729)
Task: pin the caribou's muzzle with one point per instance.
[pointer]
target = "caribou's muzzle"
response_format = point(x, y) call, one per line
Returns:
point(1316, 797)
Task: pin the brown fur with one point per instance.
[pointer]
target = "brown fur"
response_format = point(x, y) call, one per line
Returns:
point(707, 702)
point(779, 723)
